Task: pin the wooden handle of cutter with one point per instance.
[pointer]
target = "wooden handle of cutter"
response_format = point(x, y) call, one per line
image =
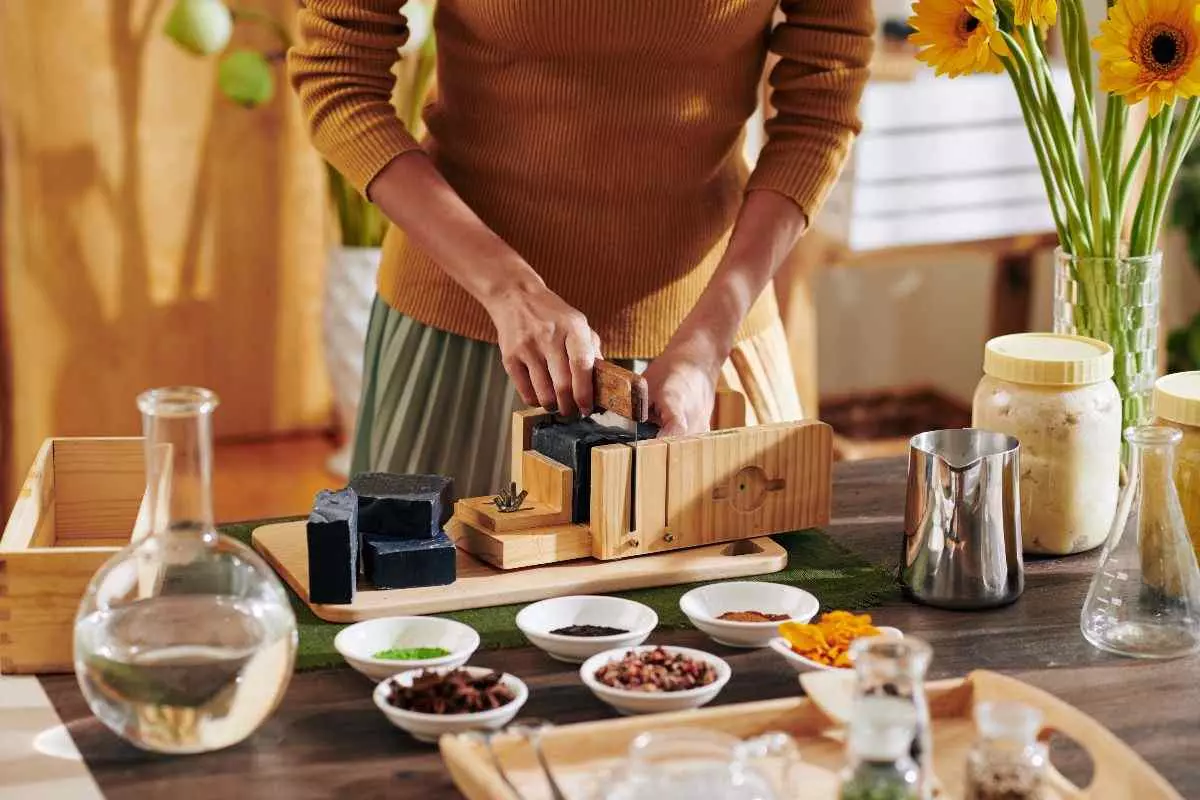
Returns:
point(621, 391)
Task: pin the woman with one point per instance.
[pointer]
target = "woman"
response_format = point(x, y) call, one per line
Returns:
point(581, 191)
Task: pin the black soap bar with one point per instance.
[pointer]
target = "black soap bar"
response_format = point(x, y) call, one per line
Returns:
point(333, 547)
point(570, 443)
point(408, 563)
point(403, 506)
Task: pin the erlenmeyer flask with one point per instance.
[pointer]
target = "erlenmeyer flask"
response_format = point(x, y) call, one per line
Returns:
point(184, 641)
point(1144, 600)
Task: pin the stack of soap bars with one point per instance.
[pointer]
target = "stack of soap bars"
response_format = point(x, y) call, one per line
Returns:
point(389, 527)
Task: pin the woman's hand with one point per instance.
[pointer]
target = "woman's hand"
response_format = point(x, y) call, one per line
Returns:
point(547, 348)
point(683, 388)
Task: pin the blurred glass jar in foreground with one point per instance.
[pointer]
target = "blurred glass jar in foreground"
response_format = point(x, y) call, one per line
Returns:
point(879, 748)
point(184, 640)
point(1144, 599)
point(1055, 394)
point(1007, 762)
point(895, 669)
point(689, 763)
point(1177, 404)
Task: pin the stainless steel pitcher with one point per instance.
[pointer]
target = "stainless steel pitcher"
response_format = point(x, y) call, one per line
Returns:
point(962, 520)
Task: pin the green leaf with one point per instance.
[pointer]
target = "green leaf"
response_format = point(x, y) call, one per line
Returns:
point(245, 78)
point(202, 27)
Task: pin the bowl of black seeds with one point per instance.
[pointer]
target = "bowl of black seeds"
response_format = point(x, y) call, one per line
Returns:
point(575, 628)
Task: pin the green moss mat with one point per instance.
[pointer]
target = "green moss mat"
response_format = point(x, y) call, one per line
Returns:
point(836, 576)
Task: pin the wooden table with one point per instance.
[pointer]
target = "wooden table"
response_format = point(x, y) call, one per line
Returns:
point(328, 740)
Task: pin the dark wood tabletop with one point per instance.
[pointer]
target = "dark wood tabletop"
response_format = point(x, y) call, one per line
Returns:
point(328, 740)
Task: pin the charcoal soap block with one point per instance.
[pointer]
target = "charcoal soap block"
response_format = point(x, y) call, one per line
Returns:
point(333, 547)
point(403, 506)
point(570, 443)
point(408, 563)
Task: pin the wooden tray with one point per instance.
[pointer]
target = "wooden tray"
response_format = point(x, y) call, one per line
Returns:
point(580, 755)
point(80, 503)
point(285, 547)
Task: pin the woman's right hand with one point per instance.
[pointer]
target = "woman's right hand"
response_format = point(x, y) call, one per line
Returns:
point(547, 347)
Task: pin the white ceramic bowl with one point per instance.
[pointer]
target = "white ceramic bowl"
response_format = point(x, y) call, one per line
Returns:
point(359, 642)
point(538, 619)
point(801, 664)
point(626, 701)
point(429, 727)
point(704, 604)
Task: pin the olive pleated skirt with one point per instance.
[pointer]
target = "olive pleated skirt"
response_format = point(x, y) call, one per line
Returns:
point(435, 402)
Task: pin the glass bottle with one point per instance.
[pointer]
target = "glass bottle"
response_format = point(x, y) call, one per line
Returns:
point(184, 640)
point(1007, 762)
point(880, 751)
point(888, 667)
point(688, 763)
point(1144, 600)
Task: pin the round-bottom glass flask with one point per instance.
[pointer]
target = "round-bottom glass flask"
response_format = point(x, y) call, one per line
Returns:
point(184, 640)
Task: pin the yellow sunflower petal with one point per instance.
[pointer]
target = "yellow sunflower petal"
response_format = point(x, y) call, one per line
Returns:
point(1148, 51)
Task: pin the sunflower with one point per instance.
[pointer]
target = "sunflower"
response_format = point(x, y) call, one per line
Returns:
point(1041, 13)
point(1150, 50)
point(958, 37)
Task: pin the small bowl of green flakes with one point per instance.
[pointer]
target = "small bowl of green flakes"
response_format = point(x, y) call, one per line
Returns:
point(379, 648)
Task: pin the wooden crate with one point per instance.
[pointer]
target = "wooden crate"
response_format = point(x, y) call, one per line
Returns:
point(80, 503)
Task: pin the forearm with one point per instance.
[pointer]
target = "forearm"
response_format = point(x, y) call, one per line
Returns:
point(414, 195)
point(767, 228)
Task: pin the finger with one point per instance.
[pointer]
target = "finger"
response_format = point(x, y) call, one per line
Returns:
point(673, 426)
point(560, 373)
point(581, 357)
point(596, 351)
point(520, 380)
point(543, 386)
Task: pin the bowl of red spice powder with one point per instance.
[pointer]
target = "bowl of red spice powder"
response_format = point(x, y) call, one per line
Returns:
point(746, 613)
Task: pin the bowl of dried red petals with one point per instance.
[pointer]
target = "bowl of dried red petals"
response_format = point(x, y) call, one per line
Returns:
point(825, 644)
point(651, 679)
point(746, 613)
point(429, 702)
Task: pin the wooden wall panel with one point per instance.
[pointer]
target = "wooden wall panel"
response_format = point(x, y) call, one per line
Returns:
point(153, 233)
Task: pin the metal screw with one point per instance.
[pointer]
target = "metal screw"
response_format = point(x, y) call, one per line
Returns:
point(633, 542)
point(668, 538)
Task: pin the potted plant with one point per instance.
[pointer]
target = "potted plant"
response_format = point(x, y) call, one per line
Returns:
point(1107, 182)
point(247, 77)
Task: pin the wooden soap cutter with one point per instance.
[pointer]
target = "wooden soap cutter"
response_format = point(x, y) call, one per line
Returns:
point(731, 484)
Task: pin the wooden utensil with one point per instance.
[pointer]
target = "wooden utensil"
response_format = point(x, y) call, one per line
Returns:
point(621, 391)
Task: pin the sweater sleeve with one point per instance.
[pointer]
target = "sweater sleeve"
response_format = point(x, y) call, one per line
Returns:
point(824, 48)
point(341, 71)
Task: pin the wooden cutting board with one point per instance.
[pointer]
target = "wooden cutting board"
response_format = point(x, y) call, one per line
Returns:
point(479, 585)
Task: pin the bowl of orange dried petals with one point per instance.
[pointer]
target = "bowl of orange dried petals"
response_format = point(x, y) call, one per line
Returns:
point(825, 644)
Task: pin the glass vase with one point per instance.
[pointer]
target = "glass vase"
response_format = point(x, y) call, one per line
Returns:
point(1144, 599)
point(1115, 300)
point(184, 640)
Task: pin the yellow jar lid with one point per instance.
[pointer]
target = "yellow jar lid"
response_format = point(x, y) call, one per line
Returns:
point(1048, 359)
point(1177, 398)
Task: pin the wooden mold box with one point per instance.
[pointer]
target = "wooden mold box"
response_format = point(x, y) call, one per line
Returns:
point(80, 503)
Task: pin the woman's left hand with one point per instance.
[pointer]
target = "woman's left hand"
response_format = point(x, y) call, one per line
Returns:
point(683, 386)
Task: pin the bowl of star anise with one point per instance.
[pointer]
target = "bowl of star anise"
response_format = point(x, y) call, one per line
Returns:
point(427, 703)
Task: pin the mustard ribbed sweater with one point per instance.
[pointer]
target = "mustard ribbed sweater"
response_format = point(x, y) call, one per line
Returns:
point(600, 138)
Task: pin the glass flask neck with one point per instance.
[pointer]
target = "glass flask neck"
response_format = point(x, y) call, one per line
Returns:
point(177, 426)
point(1152, 450)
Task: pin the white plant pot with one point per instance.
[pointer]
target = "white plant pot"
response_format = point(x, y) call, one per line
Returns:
point(349, 292)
